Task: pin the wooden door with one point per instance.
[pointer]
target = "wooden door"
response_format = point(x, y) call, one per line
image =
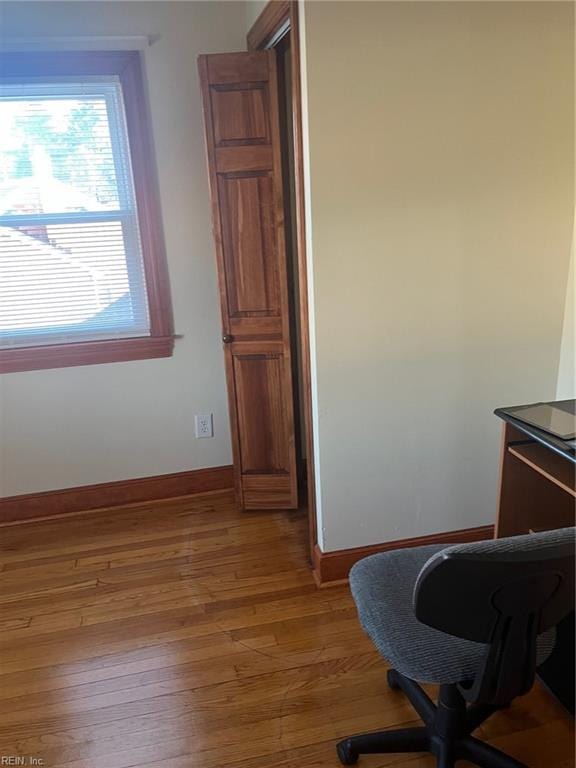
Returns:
point(244, 163)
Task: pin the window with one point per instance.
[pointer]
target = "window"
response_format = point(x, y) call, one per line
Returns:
point(82, 270)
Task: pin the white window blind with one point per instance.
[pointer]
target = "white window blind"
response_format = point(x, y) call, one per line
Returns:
point(71, 265)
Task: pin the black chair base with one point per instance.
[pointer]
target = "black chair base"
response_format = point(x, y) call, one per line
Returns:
point(447, 731)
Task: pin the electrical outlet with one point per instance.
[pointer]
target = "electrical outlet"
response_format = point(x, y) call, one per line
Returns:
point(203, 425)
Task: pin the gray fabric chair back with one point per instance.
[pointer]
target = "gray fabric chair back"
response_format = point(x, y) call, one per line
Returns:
point(504, 593)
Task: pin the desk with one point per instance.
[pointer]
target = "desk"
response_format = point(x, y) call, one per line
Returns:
point(538, 492)
point(537, 479)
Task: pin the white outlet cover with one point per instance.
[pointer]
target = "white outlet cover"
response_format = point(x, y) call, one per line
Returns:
point(203, 426)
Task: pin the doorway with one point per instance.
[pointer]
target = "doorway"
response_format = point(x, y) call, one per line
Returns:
point(277, 27)
point(283, 53)
point(254, 145)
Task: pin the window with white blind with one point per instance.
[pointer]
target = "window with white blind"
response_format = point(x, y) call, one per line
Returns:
point(81, 273)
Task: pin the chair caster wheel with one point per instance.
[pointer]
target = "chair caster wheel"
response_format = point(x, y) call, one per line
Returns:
point(346, 754)
point(392, 677)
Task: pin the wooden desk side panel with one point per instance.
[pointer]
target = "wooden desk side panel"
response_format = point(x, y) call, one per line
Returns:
point(527, 500)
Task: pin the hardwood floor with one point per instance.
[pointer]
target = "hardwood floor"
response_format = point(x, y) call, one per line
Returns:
point(185, 634)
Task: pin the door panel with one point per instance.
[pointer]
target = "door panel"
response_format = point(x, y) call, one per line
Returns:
point(240, 115)
point(261, 419)
point(250, 264)
point(244, 164)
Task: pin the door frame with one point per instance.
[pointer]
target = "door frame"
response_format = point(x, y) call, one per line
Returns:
point(277, 19)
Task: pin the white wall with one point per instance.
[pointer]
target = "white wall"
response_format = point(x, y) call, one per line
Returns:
point(76, 426)
point(441, 177)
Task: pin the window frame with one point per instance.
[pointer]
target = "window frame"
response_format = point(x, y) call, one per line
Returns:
point(127, 66)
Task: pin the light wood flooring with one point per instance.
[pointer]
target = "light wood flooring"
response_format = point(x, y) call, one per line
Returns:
point(185, 634)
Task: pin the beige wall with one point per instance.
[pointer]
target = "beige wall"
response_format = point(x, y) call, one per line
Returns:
point(441, 177)
point(567, 367)
point(75, 426)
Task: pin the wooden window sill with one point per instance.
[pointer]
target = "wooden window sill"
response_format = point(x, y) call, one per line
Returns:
point(85, 353)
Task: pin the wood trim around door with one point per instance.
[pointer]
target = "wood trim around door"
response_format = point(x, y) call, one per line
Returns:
point(277, 18)
point(85, 498)
point(331, 568)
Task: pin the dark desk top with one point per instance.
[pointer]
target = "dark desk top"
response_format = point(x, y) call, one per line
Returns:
point(513, 414)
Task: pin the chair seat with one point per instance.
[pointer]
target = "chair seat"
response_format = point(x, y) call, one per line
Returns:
point(383, 586)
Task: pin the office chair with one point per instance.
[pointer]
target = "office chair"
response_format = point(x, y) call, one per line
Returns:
point(475, 618)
